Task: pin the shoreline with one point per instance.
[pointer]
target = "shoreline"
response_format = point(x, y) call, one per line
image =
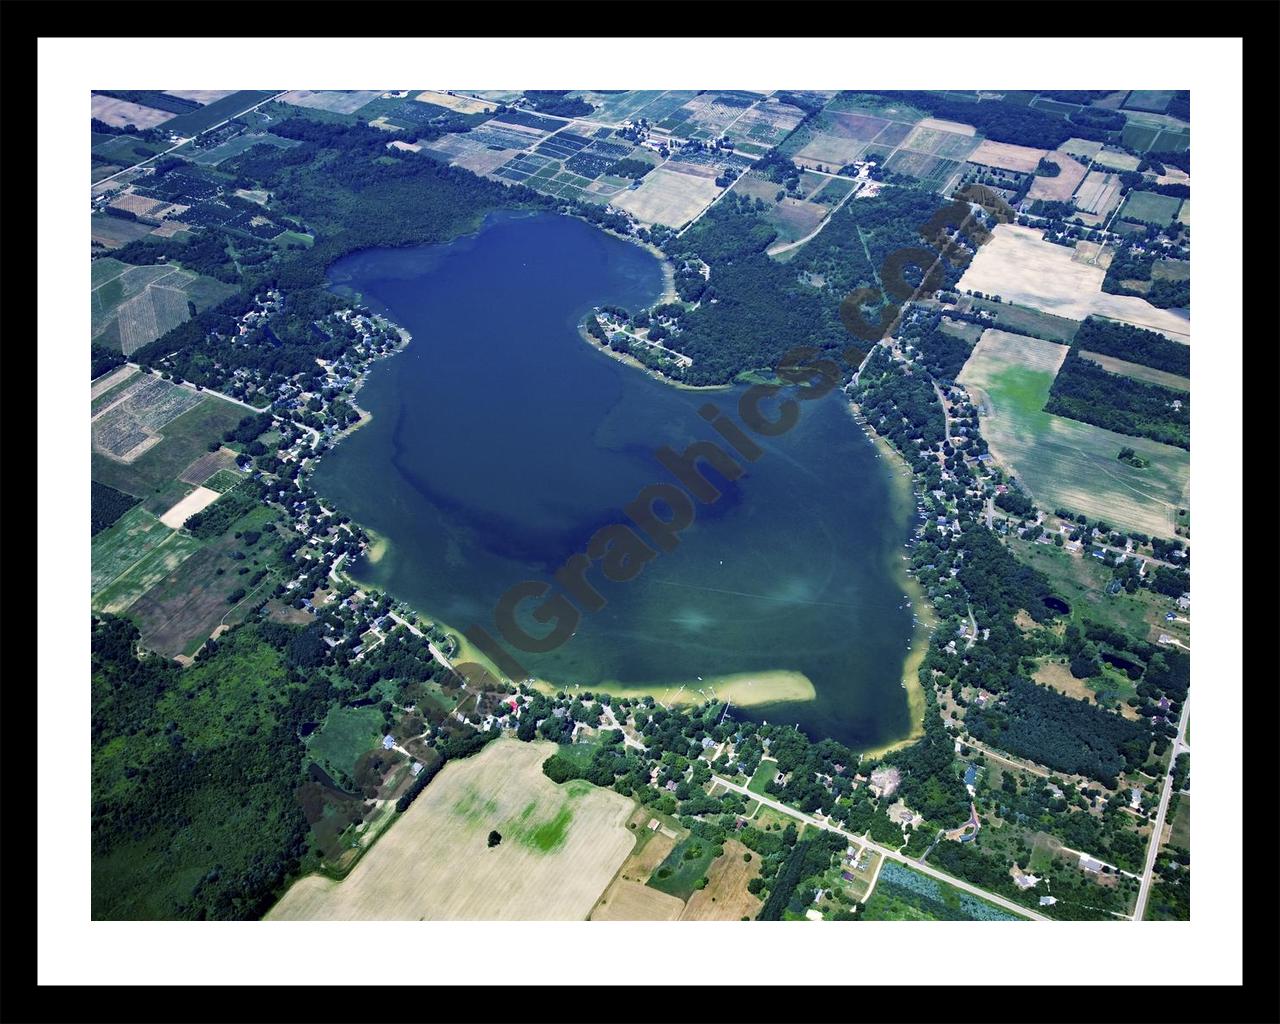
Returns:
point(902, 483)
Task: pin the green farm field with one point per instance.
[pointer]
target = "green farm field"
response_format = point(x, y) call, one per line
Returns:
point(1031, 322)
point(132, 555)
point(1150, 208)
point(185, 439)
point(1063, 462)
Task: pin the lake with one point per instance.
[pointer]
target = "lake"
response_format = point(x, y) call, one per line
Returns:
point(500, 441)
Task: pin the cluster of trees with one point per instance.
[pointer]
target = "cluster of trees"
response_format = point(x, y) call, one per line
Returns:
point(901, 405)
point(104, 360)
point(942, 353)
point(1111, 835)
point(629, 167)
point(807, 857)
point(205, 252)
point(1064, 734)
point(1015, 502)
point(1163, 292)
point(1134, 344)
point(557, 103)
point(215, 519)
point(107, 505)
point(1084, 391)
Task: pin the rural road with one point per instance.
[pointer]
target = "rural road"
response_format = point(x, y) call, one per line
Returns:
point(1153, 847)
point(883, 851)
point(1026, 767)
point(779, 250)
point(213, 127)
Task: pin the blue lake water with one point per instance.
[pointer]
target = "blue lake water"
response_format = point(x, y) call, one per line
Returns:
point(500, 441)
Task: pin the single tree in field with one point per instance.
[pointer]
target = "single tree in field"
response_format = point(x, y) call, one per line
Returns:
point(495, 838)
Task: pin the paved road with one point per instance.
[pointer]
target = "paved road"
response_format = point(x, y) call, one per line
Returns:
point(884, 851)
point(1153, 844)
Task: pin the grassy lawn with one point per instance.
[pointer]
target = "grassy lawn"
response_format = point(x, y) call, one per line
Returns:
point(1180, 834)
point(766, 771)
point(345, 735)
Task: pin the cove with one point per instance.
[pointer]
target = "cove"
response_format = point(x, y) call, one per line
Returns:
point(500, 441)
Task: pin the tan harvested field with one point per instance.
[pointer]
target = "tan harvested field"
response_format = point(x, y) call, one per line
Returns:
point(141, 206)
point(1019, 266)
point(561, 846)
point(1184, 214)
point(1099, 193)
point(484, 161)
point(1064, 185)
point(756, 187)
point(119, 113)
point(1117, 159)
point(666, 197)
point(831, 151)
point(946, 126)
point(1094, 253)
point(198, 500)
point(1002, 154)
point(726, 897)
point(634, 901)
point(1139, 372)
point(462, 104)
point(1083, 149)
point(117, 376)
point(1058, 677)
point(201, 96)
point(334, 101)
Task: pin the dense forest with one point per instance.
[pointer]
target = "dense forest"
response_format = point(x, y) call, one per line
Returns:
point(1002, 121)
point(108, 505)
point(1123, 341)
point(1064, 734)
point(104, 360)
point(1084, 391)
point(194, 773)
